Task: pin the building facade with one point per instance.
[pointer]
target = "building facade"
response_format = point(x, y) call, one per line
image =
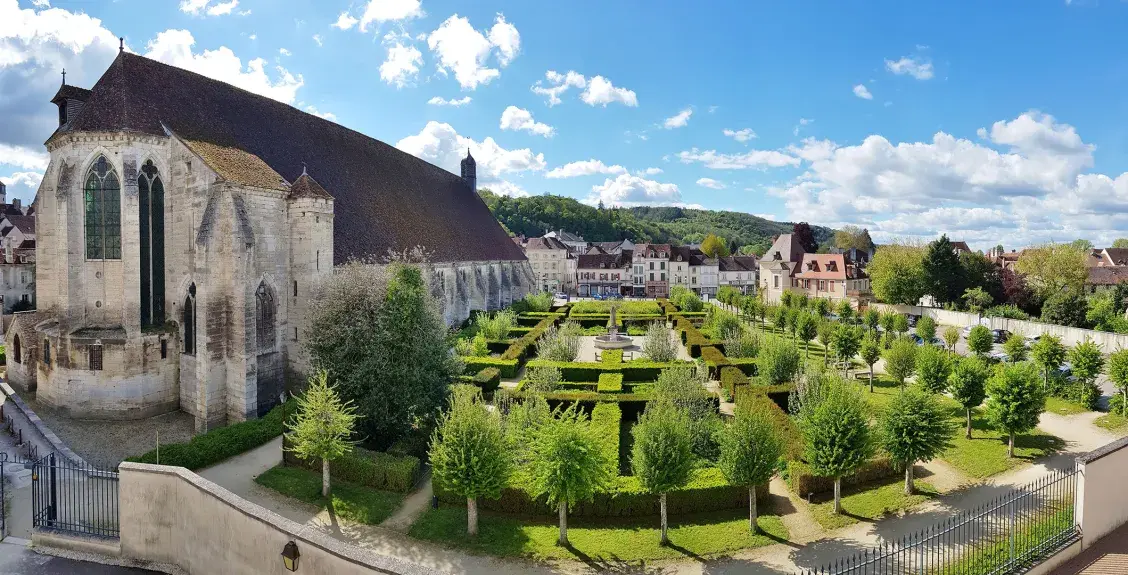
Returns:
point(181, 243)
point(604, 274)
point(740, 272)
point(553, 264)
point(653, 259)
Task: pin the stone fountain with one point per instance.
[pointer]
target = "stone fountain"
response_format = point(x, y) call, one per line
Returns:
point(613, 339)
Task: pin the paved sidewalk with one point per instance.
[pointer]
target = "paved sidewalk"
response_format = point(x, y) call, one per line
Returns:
point(16, 559)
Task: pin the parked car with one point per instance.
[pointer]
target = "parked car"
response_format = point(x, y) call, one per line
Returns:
point(1000, 356)
point(913, 320)
point(1000, 335)
point(560, 295)
point(1032, 339)
point(917, 339)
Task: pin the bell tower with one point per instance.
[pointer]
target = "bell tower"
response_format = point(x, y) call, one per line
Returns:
point(470, 171)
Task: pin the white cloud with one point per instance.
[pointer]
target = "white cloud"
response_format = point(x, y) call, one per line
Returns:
point(758, 159)
point(253, 36)
point(650, 171)
point(519, 119)
point(600, 91)
point(198, 7)
point(41, 3)
point(284, 52)
point(628, 190)
point(915, 67)
point(23, 185)
point(505, 188)
point(21, 157)
point(317, 39)
point(862, 92)
point(803, 122)
point(344, 21)
point(711, 184)
point(175, 47)
point(742, 135)
point(224, 8)
point(558, 84)
point(439, 101)
point(465, 51)
point(327, 115)
point(584, 168)
point(402, 65)
point(678, 120)
point(441, 145)
point(380, 11)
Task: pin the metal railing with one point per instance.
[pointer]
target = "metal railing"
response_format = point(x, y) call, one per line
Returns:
point(1007, 534)
point(73, 498)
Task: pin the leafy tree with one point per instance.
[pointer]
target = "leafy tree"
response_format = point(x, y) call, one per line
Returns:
point(870, 352)
point(926, 328)
point(659, 344)
point(914, 428)
point(1118, 373)
point(897, 274)
point(684, 387)
point(785, 298)
point(1081, 245)
point(871, 318)
point(1015, 348)
point(778, 361)
point(1120, 243)
point(1017, 292)
point(750, 449)
point(951, 338)
point(967, 383)
point(826, 338)
point(751, 308)
point(837, 435)
point(845, 311)
point(803, 234)
point(322, 425)
point(900, 324)
point(981, 272)
point(977, 299)
point(889, 320)
point(662, 456)
point(779, 317)
point(942, 273)
point(820, 306)
point(979, 340)
point(567, 465)
point(846, 341)
point(1048, 353)
point(853, 237)
point(1053, 268)
point(806, 329)
point(380, 335)
point(469, 452)
point(932, 369)
point(900, 360)
point(1014, 400)
point(714, 247)
point(1068, 308)
point(1087, 361)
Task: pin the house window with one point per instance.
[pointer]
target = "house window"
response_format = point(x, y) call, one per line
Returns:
point(317, 262)
point(16, 343)
point(102, 200)
point(694, 280)
point(24, 298)
point(23, 277)
point(776, 278)
point(264, 318)
point(663, 277)
point(188, 321)
point(651, 276)
point(151, 206)
point(662, 265)
point(652, 265)
point(822, 285)
point(832, 286)
point(47, 352)
point(95, 353)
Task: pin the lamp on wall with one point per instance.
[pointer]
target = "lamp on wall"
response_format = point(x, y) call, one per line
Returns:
point(290, 556)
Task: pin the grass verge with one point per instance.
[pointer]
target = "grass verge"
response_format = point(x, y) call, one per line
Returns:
point(350, 502)
point(598, 542)
point(869, 502)
point(1063, 406)
point(1112, 422)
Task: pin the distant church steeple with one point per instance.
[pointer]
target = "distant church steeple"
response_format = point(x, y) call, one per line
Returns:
point(470, 171)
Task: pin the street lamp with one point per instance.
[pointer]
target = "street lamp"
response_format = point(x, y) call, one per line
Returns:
point(290, 556)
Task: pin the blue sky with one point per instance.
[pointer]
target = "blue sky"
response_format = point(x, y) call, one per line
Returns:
point(993, 122)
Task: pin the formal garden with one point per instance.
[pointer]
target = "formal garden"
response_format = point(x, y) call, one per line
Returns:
point(717, 424)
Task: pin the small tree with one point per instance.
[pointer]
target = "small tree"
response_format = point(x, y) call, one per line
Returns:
point(846, 342)
point(750, 449)
point(826, 337)
point(888, 321)
point(821, 306)
point(1086, 361)
point(750, 308)
point(871, 319)
point(870, 352)
point(900, 324)
point(778, 361)
point(659, 344)
point(926, 329)
point(543, 379)
point(977, 299)
point(837, 435)
point(951, 338)
point(979, 340)
point(567, 464)
point(932, 369)
point(967, 383)
point(845, 311)
point(1118, 373)
point(1014, 400)
point(914, 428)
point(322, 426)
point(662, 455)
point(469, 451)
point(805, 330)
point(1015, 348)
point(785, 298)
point(900, 360)
point(779, 317)
point(1048, 353)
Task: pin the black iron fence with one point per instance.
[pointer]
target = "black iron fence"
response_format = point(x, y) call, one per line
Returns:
point(1005, 535)
point(73, 498)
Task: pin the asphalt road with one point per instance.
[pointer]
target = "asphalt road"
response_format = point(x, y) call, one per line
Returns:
point(17, 559)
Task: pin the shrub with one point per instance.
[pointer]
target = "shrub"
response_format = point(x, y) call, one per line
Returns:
point(605, 420)
point(803, 480)
point(496, 327)
point(374, 469)
point(732, 378)
point(1009, 311)
point(539, 301)
point(743, 344)
point(714, 360)
point(519, 350)
point(488, 379)
point(638, 370)
point(560, 344)
point(542, 379)
point(473, 365)
point(778, 361)
point(659, 343)
point(612, 356)
point(219, 444)
point(932, 369)
point(610, 383)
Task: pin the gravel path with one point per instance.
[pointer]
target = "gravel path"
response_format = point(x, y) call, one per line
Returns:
point(413, 506)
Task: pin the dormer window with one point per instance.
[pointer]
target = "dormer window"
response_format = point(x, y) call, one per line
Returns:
point(832, 266)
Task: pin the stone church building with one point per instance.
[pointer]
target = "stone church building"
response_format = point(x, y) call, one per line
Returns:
point(182, 224)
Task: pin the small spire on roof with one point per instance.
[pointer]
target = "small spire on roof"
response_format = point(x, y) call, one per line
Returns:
point(304, 169)
point(121, 44)
point(64, 76)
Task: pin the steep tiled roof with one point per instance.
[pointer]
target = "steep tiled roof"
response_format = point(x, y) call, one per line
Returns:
point(237, 166)
point(784, 249)
point(545, 244)
point(307, 187)
point(1108, 275)
point(652, 250)
point(960, 247)
point(385, 199)
point(25, 224)
point(738, 264)
point(67, 92)
point(1117, 256)
point(604, 261)
point(826, 267)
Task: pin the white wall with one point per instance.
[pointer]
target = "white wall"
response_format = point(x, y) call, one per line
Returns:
point(1102, 501)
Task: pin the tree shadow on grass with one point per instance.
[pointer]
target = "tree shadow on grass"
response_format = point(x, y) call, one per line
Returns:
point(615, 565)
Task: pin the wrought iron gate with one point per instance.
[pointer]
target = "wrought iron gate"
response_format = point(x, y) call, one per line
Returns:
point(73, 498)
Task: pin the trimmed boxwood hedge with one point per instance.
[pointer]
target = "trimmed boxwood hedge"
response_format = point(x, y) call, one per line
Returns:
point(374, 469)
point(605, 418)
point(611, 356)
point(473, 365)
point(590, 371)
point(714, 360)
point(521, 349)
point(773, 401)
point(733, 379)
point(802, 481)
point(214, 446)
point(488, 379)
point(610, 383)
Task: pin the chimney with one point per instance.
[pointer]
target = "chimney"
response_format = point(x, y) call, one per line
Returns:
point(17, 204)
point(470, 171)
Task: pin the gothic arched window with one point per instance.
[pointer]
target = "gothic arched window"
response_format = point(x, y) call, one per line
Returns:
point(16, 344)
point(150, 190)
point(188, 320)
point(102, 198)
point(264, 317)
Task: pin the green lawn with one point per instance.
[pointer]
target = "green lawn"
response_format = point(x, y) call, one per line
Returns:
point(868, 502)
point(595, 540)
point(351, 502)
point(1063, 406)
point(1112, 422)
